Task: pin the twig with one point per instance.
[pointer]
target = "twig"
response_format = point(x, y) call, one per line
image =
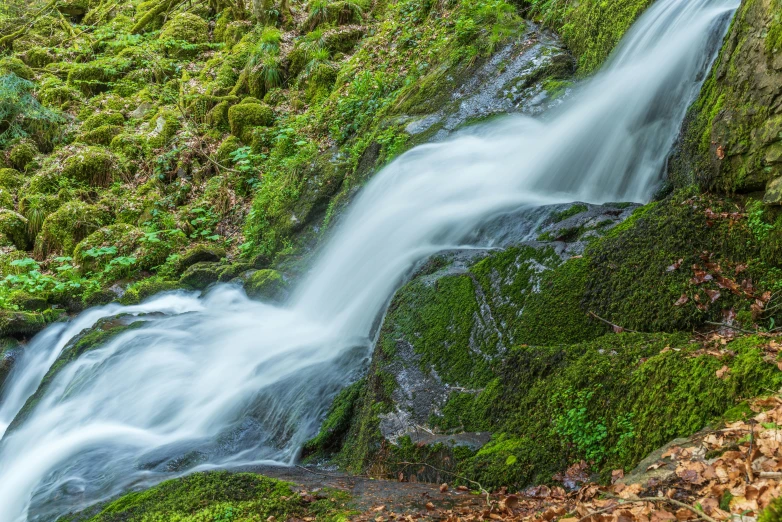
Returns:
point(699, 513)
point(616, 327)
point(725, 325)
point(480, 487)
point(318, 473)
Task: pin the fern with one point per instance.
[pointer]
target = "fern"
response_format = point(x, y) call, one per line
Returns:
point(21, 114)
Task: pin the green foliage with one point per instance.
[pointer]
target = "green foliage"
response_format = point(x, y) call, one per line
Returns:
point(21, 115)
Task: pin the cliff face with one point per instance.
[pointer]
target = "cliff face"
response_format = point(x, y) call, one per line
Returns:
point(732, 141)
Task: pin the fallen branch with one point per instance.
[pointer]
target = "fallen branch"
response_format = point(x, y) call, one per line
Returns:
point(616, 327)
point(725, 325)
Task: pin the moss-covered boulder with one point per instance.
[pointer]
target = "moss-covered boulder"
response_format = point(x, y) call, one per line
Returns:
point(732, 140)
point(22, 154)
point(13, 229)
point(93, 166)
point(11, 179)
point(68, 225)
point(202, 274)
point(6, 199)
point(182, 32)
point(246, 115)
point(26, 324)
point(12, 65)
point(266, 285)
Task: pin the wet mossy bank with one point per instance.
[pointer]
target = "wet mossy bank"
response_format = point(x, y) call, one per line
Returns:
point(508, 368)
point(220, 496)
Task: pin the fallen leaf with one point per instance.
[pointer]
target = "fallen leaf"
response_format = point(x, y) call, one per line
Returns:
point(682, 300)
point(722, 372)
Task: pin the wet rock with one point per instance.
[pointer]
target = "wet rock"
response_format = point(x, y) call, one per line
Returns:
point(10, 350)
point(513, 80)
point(266, 285)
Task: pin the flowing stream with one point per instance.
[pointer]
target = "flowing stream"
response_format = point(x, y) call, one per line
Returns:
point(221, 380)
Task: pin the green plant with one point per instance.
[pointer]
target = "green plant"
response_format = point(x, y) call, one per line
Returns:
point(21, 114)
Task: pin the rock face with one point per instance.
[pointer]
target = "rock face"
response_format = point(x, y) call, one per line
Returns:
point(526, 76)
point(732, 141)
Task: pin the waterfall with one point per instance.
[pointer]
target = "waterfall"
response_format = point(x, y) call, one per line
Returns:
point(221, 380)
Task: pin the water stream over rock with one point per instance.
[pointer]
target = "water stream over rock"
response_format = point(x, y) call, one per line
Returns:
point(222, 380)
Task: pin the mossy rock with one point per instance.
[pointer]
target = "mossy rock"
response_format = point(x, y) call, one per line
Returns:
point(147, 288)
point(732, 137)
point(166, 125)
point(93, 166)
point(266, 285)
point(124, 238)
point(68, 225)
point(6, 199)
point(11, 179)
point(28, 302)
point(26, 324)
point(210, 495)
point(321, 82)
point(22, 154)
point(13, 227)
point(101, 119)
point(103, 135)
point(181, 32)
point(245, 116)
point(199, 254)
point(57, 95)
point(38, 57)
point(200, 275)
point(10, 350)
point(11, 65)
point(76, 8)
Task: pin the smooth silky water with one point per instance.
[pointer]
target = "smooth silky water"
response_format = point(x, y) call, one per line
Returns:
point(221, 380)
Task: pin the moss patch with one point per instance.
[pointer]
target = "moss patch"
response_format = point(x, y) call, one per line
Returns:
point(220, 496)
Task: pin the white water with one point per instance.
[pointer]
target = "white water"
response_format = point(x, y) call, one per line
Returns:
point(222, 380)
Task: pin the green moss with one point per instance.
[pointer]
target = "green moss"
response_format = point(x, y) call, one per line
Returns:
point(223, 496)
point(146, 288)
point(11, 65)
point(337, 423)
point(6, 199)
point(635, 277)
point(574, 210)
point(13, 227)
point(11, 179)
point(102, 135)
point(267, 285)
point(556, 314)
point(591, 28)
point(186, 27)
point(22, 154)
point(71, 223)
point(25, 324)
point(604, 400)
point(773, 513)
point(244, 116)
point(101, 119)
point(93, 166)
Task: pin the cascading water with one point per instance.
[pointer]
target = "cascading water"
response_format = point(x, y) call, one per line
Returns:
point(222, 380)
